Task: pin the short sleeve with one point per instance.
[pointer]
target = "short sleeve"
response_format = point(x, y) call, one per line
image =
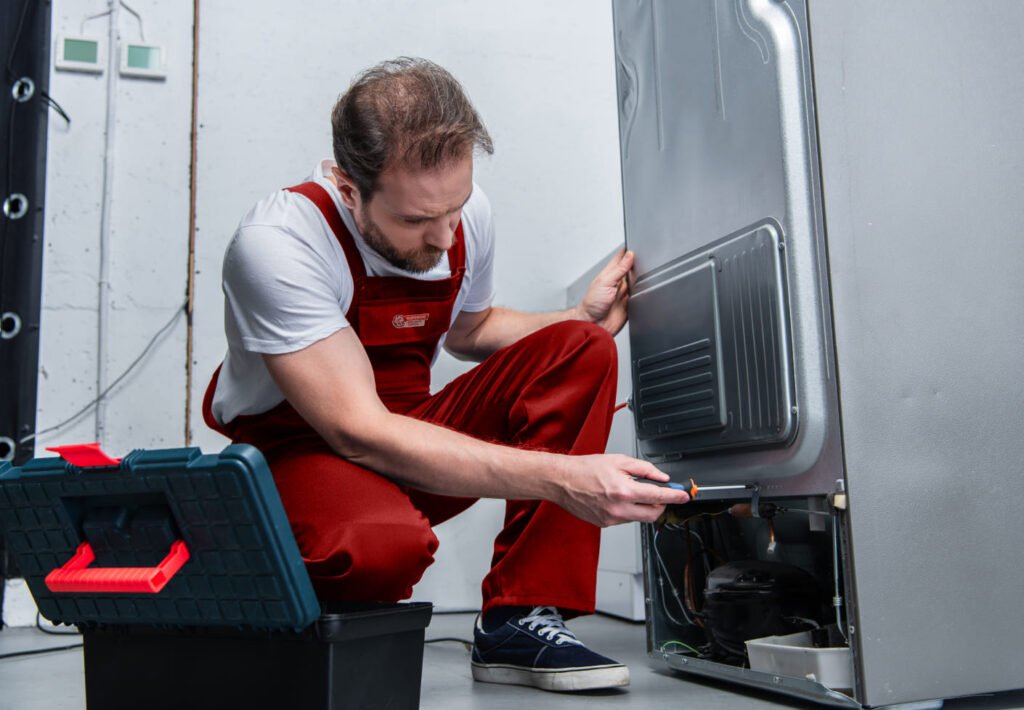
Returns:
point(480, 224)
point(280, 294)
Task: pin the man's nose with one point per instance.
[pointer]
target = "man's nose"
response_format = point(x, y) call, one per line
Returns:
point(441, 235)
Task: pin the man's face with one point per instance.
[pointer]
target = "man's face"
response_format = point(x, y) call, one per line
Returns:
point(411, 219)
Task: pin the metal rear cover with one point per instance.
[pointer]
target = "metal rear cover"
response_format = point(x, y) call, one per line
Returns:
point(724, 380)
point(729, 330)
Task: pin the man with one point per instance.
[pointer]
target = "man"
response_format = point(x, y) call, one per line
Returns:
point(339, 293)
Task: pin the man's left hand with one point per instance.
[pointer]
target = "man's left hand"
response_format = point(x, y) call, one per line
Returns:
point(606, 299)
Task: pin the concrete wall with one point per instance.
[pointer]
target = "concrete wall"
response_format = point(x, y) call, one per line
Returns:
point(148, 220)
point(540, 73)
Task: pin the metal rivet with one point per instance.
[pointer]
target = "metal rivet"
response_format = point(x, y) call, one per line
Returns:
point(7, 448)
point(15, 206)
point(776, 679)
point(10, 325)
point(23, 89)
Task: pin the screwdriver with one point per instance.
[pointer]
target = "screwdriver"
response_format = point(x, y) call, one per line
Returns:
point(691, 488)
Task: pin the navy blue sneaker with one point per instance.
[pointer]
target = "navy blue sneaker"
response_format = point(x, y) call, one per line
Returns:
point(536, 649)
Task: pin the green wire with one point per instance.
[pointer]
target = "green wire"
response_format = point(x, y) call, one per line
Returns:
point(687, 646)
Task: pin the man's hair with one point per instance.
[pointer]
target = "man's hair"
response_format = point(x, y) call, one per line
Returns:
point(408, 112)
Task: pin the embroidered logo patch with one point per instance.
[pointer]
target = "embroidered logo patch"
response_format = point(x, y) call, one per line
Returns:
point(411, 320)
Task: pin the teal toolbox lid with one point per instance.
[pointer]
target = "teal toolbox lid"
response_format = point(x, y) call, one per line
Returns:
point(243, 568)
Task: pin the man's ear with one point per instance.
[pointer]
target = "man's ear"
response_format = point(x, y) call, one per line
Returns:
point(346, 187)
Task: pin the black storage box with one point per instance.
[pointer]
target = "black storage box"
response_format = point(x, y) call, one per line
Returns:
point(357, 657)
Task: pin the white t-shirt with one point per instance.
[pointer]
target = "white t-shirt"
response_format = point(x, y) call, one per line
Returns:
point(287, 285)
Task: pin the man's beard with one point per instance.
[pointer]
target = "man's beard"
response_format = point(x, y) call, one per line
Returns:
point(417, 261)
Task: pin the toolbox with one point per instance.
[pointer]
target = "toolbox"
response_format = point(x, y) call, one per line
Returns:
point(182, 573)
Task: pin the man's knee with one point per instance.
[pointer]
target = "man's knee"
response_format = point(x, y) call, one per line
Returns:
point(585, 340)
point(371, 561)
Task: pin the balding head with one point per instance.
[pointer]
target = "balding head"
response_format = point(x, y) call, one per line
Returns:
point(405, 112)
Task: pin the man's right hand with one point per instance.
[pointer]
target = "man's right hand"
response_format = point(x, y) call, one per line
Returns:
point(601, 489)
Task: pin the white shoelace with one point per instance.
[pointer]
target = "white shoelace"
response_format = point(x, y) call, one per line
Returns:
point(551, 625)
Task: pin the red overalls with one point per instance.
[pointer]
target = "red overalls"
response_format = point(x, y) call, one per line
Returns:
point(366, 538)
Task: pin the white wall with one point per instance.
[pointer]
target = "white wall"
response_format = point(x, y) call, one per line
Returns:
point(540, 73)
point(148, 236)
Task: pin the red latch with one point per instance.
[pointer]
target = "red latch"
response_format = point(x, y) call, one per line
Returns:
point(74, 577)
point(84, 455)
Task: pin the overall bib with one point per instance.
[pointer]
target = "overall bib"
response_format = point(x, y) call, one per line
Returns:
point(364, 537)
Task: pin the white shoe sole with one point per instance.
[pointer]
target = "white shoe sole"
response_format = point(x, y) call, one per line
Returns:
point(564, 680)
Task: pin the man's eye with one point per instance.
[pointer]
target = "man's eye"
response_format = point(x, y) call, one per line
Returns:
point(413, 220)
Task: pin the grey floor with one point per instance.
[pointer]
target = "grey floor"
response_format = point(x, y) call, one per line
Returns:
point(53, 681)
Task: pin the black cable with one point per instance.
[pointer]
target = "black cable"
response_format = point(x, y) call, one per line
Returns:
point(52, 103)
point(465, 642)
point(52, 632)
point(39, 651)
point(152, 341)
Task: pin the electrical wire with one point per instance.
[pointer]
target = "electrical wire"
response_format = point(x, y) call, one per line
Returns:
point(667, 578)
point(38, 651)
point(687, 646)
point(138, 17)
point(88, 407)
point(52, 632)
point(444, 639)
point(52, 103)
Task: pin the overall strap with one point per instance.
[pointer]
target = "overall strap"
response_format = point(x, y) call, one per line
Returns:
point(319, 196)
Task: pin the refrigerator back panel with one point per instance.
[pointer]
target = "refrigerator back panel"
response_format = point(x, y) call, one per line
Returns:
point(730, 335)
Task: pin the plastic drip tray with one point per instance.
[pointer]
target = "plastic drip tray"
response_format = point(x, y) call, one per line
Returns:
point(795, 655)
point(355, 656)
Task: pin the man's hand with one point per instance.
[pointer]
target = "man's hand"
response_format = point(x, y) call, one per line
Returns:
point(600, 489)
point(606, 298)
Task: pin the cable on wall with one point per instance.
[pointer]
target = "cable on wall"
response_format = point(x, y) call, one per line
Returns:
point(101, 397)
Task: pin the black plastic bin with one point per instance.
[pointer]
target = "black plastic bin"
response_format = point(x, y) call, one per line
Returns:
point(356, 657)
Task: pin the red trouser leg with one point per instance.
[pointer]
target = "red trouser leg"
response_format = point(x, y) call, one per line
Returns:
point(364, 537)
point(554, 390)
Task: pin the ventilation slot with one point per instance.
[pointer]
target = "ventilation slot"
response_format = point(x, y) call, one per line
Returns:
point(678, 390)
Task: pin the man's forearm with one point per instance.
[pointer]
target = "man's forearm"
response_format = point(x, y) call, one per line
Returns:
point(438, 460)
point(504, 326)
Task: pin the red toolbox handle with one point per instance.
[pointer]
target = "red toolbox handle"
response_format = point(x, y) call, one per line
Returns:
point(74, 577)
point(84, 455)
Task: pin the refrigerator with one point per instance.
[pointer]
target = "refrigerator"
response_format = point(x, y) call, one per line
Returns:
point(827, 323)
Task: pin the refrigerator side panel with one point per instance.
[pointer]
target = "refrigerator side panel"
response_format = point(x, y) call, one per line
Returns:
point(922, 151)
